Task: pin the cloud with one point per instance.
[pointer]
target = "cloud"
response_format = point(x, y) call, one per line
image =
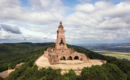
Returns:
point(85, 7)
point(94, 1)
point(100, 22)
point(47, 5)
point(90, 20)
point(41, 12)
point(11, 29)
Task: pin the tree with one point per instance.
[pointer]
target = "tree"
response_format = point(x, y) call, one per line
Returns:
point(70, 76)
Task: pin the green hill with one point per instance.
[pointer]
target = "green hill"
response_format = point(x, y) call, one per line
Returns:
point(14, 53)
point(11, 54)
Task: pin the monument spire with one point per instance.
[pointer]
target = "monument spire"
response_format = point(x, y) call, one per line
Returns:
point(61, 43)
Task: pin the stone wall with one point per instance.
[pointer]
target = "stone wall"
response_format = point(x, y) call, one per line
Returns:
point(57, 55)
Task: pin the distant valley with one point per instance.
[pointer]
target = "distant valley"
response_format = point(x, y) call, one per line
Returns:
point(120, 50)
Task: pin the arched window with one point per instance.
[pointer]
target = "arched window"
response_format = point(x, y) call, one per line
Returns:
point(62, 58)
point(76, 58)
point(69, 58)
point(61, 42)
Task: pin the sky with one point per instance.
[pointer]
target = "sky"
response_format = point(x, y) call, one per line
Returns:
point(85, 21)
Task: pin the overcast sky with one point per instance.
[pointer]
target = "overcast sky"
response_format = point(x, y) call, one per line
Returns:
point(85, 21)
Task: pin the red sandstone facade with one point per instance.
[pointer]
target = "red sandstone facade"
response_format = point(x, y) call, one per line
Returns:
point(61, 52)
point(64, 58)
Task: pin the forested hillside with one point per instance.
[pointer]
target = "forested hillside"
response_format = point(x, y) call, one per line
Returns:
point(14, 53)
point(115, 69)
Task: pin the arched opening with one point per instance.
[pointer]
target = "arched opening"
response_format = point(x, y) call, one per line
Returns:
point(69, 58)
point(76, 58)
point(62, 58)
point(61, 42)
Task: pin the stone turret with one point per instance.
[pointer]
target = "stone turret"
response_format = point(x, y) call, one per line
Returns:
point(60, 42)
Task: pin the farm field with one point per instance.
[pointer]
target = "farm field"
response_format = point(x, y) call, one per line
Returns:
point(121, 55)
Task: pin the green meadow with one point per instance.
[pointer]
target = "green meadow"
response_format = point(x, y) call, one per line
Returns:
point(121, 55)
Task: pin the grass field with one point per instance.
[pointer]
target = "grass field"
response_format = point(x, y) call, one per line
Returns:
point(121, 55)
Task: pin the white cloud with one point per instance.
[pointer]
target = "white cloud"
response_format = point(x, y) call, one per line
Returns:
point(85, 7)
point(12, 10)
point(101, 21)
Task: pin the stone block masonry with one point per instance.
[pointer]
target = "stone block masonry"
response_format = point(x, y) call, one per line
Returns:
point(64, 58)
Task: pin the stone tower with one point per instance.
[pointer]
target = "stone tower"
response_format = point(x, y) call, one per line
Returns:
point(61, 57)
point(60, 42)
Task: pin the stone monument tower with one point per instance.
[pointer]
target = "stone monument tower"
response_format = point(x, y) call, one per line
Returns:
point(61, 57)
point(60, 53)
point(60, 43)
